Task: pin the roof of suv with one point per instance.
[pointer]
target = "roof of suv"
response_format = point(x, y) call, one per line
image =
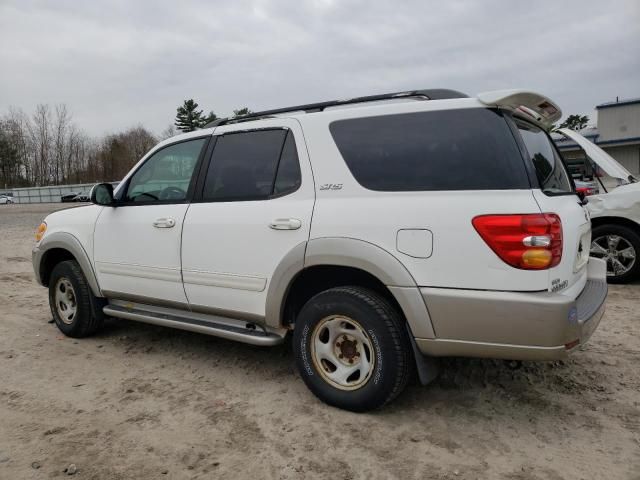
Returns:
point(426, 94)
point(524, 103)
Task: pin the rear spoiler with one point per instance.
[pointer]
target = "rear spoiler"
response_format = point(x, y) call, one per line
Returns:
point(528, 104)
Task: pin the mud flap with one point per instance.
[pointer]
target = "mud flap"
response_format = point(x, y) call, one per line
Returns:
point(428, 367)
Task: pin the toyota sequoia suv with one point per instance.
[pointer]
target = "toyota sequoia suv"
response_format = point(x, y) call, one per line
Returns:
point(378, 232)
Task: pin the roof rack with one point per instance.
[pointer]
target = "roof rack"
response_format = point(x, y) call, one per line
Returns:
point(431, 94)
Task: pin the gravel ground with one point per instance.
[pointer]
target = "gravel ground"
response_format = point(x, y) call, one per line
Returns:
point(138, 401)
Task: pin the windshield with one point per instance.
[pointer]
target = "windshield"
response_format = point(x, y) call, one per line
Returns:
point(551, 173)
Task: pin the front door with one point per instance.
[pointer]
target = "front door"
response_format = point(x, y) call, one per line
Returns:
point(255, 209)
point(137, 243)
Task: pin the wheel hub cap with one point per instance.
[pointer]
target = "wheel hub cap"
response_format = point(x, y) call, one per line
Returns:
point(342, 352)
point(65, 298)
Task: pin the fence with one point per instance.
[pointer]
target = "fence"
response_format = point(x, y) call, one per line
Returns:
point(48, 194)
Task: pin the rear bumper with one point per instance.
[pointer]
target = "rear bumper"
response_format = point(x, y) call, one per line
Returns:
point(513, 325)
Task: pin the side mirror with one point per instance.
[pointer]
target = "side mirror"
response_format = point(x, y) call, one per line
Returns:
point(102, 194)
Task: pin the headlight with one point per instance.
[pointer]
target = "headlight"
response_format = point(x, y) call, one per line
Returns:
point(40, 231)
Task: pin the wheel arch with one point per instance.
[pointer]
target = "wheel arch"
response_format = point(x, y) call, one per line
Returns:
point(58, 247)
point(613, 220)
point(325, 263)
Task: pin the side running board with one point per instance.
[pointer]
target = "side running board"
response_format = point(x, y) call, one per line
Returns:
point(216, 326)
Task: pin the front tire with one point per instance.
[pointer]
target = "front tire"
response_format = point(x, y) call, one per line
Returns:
point(352, 349)
point(619, 246)
point(76, 311)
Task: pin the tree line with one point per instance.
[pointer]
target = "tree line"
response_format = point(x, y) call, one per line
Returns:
point(47, 147)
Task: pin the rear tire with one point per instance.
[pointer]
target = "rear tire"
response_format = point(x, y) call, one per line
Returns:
point(352, 348)
point(76, 311)
point(621, 268)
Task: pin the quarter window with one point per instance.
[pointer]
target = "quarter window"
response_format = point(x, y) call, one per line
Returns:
point(462, 149)
point(252, 165)
point(166, 175)
point(288, 178)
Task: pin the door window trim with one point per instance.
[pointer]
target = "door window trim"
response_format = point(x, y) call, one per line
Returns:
point(192, 183)
point(206, 165)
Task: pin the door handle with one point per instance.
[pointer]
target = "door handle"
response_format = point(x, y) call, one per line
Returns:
point(285, 224)
point(166, 222)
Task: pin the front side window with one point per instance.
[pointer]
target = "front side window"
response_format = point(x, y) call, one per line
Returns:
point(550, 171)
point(462, 149)
point(254, 165)
point(166, 175)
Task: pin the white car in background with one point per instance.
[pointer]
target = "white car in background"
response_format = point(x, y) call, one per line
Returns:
point(615, 215)
point(5, 199)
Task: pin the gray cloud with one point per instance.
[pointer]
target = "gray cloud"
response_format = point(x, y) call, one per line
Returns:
point(117, 63)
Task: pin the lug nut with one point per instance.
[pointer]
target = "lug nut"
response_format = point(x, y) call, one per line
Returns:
point(351, 360)
point(340, 356)
point(338, 344)
point(344, 337)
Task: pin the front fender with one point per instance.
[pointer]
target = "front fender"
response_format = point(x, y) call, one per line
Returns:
point(64, 241)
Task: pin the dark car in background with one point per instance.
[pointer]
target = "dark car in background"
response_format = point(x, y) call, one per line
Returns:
point(68, 197)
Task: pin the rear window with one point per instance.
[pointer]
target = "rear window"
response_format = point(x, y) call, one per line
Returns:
point(463, 149)
point(551, 173)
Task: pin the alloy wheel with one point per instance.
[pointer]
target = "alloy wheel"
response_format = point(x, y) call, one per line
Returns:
point(617, 251)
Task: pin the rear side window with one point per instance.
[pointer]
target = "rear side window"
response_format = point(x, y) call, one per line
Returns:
point(551, 173)
point(463, 149)
point(252, 166)
point(288, 177)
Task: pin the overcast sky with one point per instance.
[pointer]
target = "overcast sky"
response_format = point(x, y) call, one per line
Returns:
point(117, 63)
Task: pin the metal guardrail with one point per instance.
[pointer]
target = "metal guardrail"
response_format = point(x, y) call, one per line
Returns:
point(49, 194)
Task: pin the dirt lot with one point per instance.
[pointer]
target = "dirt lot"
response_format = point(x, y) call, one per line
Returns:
point(139, 401)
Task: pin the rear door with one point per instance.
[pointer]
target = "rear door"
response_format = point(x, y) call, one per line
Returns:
point(556, 195)
point(255, 208)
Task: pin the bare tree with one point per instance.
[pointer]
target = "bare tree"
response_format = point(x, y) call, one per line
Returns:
point(48, 148)
point(168, 132)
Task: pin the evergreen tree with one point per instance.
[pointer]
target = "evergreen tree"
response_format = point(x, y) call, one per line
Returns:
point(241, 112)
point(575, 122)
point(189, 117)
point(210, 118)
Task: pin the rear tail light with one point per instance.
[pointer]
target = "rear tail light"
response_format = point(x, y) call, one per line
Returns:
point(527, 241)
point(586, 191)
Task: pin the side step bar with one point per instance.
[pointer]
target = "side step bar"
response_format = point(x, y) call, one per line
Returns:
point(221, 328)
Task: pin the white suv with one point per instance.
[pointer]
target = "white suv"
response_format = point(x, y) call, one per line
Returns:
point(381, 231)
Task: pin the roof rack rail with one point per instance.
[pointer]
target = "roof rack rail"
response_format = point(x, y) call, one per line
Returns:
point(430, 94)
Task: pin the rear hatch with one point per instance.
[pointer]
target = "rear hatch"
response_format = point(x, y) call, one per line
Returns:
point(601, 158)
point(555, 194)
